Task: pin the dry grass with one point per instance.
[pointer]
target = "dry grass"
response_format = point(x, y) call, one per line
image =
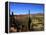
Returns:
point(37, 22)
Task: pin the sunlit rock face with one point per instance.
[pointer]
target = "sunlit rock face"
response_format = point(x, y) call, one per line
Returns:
point(38, 22)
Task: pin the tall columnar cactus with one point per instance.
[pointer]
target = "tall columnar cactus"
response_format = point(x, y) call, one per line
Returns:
point(29, 22)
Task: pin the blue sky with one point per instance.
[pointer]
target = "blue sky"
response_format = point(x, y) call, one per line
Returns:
point(23, 8)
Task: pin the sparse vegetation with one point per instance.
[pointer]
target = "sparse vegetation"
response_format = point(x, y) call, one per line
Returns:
point(37, 22)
